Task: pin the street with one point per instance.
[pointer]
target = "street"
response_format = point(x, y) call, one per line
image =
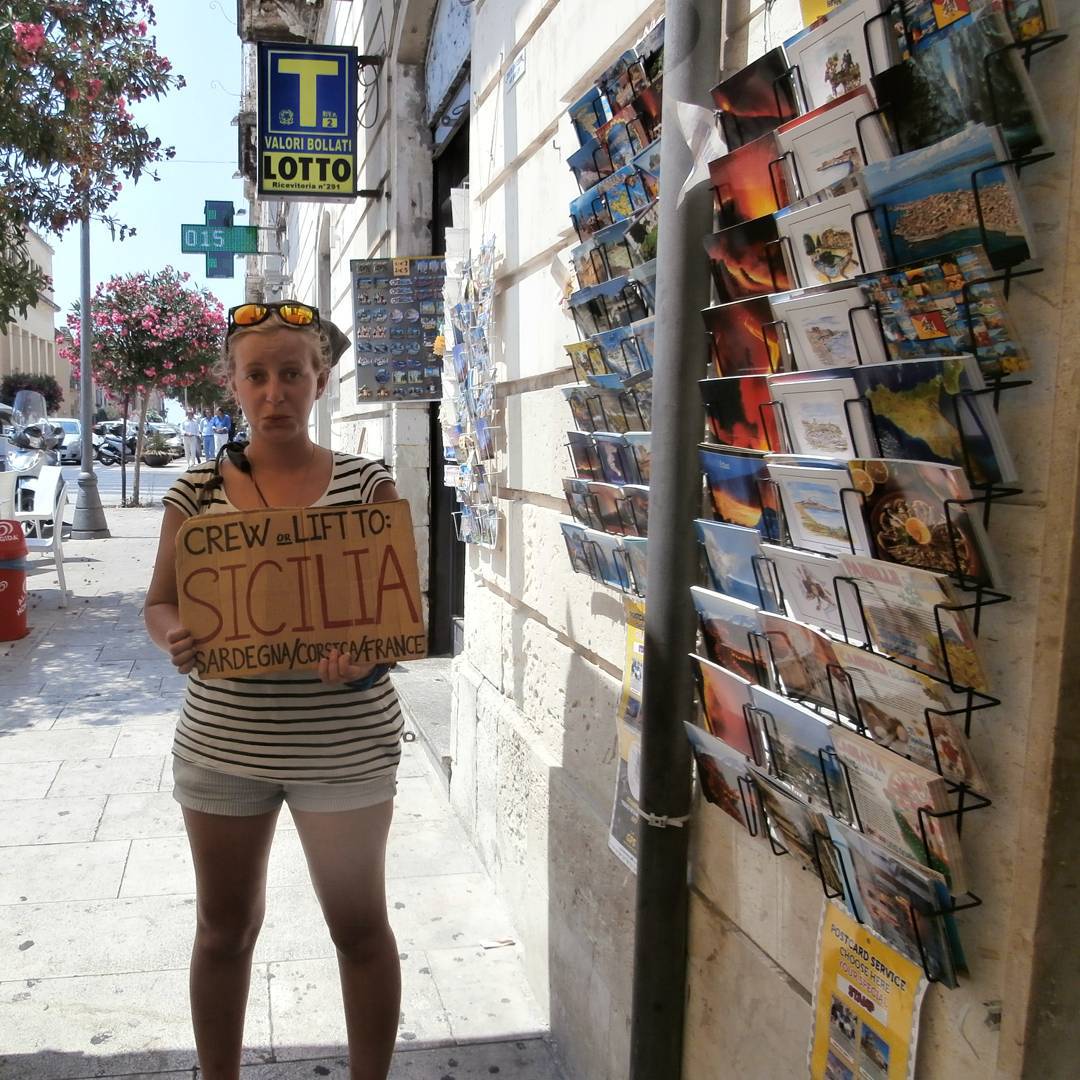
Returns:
point(153, 482)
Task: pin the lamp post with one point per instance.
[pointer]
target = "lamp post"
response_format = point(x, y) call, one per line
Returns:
point(89, 521)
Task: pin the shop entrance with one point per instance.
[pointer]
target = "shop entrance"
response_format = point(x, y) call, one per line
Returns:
point(447, 575)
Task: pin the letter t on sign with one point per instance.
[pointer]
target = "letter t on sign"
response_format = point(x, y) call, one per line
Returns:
point(309, 72)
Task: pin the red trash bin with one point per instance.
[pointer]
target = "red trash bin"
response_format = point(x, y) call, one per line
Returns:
point(12, 581)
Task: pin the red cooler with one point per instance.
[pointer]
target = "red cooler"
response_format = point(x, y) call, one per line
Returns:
point(12, 581)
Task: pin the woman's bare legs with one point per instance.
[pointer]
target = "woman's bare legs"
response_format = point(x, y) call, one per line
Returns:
point(346, 853)
point(230, 855)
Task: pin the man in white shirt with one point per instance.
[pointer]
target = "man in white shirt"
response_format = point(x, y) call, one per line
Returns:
point(189, 428)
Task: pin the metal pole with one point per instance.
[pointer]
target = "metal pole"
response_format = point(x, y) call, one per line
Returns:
point(692, 40)
point(89, 520)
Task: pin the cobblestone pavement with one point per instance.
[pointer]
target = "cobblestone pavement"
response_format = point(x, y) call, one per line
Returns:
point(96, 885)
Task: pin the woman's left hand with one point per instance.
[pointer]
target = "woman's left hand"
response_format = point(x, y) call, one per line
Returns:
point(336, 667)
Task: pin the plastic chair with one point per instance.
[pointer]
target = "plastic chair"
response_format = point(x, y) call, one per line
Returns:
point(50, 501)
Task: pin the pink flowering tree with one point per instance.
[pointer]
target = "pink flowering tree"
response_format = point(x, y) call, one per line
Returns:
point(69, 73)
point(151, 332)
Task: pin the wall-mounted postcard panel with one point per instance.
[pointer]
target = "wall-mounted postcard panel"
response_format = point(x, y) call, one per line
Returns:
point(397, 312)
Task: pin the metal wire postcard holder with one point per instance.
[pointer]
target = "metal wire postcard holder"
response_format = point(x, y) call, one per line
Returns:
point(774, 368)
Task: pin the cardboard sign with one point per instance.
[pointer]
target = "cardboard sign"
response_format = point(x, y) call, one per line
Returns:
point(274, 590)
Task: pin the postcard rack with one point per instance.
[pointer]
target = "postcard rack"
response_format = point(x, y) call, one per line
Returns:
point(622, 574)
point(627, 399)
point(631, 298)
point(601, 204)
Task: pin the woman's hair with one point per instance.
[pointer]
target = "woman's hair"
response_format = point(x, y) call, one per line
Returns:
point(223, 367)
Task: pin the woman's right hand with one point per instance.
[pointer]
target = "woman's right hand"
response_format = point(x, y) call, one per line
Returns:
point(181, 649)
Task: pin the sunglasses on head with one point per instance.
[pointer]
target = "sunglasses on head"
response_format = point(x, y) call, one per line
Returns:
point(290, 312)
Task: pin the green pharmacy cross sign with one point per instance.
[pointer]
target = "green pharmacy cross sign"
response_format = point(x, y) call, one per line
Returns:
point(219, 239)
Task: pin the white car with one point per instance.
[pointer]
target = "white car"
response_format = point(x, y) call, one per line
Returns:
point(70, 451)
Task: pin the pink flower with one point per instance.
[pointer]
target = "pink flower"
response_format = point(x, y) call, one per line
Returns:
point(29, 36)
point(93, 88)
point(142, 29)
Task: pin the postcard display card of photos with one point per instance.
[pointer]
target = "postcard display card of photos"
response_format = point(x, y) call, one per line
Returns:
point(617, 168)
point(866, 238)
point(397, 314)
point(470, 430)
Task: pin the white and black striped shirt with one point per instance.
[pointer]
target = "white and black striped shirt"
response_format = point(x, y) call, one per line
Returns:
point(288, 727)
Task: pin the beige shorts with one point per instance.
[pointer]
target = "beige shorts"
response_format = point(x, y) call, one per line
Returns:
point(213, 792)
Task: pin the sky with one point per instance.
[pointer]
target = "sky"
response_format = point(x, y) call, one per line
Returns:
point(199, 37)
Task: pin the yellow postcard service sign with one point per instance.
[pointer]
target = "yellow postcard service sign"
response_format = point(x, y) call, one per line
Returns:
point(274, 590)
point(866, 1004)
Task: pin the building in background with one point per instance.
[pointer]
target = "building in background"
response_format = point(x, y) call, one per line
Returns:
point(29, 345)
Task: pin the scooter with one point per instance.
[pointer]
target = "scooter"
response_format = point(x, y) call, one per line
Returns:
point(34, 440)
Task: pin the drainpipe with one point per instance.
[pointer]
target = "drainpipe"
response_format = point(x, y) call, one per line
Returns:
point(692, 40)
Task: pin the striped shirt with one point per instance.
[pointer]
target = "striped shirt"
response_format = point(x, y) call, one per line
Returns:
point(286, 726)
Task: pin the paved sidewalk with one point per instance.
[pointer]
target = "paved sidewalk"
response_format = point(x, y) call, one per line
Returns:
point(96, 886)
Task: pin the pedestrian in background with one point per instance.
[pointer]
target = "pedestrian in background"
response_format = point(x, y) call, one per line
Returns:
point(222, 425)
point(326, 740)
point(206, 433)
point(189, 429)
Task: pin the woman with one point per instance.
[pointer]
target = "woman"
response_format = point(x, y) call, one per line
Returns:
point(326, 741)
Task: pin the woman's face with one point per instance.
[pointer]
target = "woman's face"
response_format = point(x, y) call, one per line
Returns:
point(276, 381)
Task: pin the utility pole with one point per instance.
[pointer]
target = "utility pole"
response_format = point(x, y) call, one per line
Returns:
point(692, 37)
point(89, 520)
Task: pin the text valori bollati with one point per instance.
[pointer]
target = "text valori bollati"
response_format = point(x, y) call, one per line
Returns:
point(274, 590)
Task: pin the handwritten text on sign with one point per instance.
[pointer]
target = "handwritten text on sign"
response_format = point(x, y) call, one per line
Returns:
point(274, 590)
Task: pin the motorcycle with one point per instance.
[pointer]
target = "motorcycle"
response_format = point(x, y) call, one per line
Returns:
point(110, 449)
point(34, 439)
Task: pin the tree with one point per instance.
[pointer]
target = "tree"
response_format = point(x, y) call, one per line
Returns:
point(151, 332)
point(45, 385)
point(68, 72)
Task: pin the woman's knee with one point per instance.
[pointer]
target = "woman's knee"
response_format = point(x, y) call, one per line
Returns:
point(228, 931)
point(360, 938)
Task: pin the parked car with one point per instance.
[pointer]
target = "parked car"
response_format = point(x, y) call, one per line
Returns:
point(70, 450)
point(173, 439)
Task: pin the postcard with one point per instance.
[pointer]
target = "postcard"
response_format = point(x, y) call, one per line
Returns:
point(888, 792)
point(926, 410)
point(638, 443)
point(908, 712)
point(830, 241)
point(731, 630)
point(802, 660)
point(605, 500)
point(945, 306)
point(832, 54)
point(613, 454)
point(722, 775)
point(740, 412)
point(756, 99)
point(897, 898)
point(821, 414)
point(583, 454)
point(800, 751)
point(621, 351)
point(903, 607)
point(747, 260)
point(732, 556)
point(615, 198)
point(830, 326)
point(637, 552)
point(744, 337)
point(966, 72)
point(739, 494)
point(594, 409)
point(821, 515)
point(1030, 18)
point(581, 505)
point(647, 163)
point(833, 141)
point(590, 163)
point(588, 113)
point(749, 181)
point(608, 567)
point(914, 513)
point(925, 200)
point(634, 508)
point(725, 698)
point(574, 536)
point(811, 593)
point(797, 828)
